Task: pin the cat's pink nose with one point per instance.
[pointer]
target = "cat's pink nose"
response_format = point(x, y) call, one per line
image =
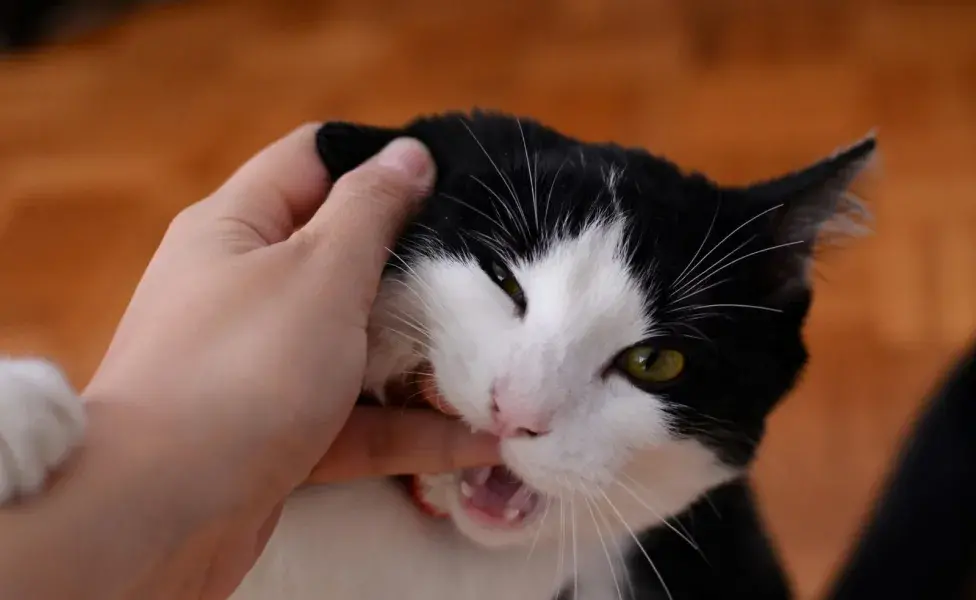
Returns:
point(511, 417)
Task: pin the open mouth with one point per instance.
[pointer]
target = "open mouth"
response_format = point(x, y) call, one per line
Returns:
point(496, 497)
point(492, 496)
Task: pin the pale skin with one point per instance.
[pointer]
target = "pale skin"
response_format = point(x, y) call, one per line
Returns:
point(231, 381)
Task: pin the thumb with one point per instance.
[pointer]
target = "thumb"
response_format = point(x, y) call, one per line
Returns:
point(366, 208)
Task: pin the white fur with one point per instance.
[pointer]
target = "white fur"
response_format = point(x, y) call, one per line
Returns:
point(610, 464)
point(610, 456)
point(41, 421)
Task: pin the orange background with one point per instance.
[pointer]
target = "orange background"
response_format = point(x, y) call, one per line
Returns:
point(103, 138)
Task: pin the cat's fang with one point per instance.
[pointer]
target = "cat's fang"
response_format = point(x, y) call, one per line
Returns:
point(480, 476)
point(497, 497)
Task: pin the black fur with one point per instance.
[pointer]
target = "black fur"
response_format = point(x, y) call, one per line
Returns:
point(740, 361)
point(921, 540)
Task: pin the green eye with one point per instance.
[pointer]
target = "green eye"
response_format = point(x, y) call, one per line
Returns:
point(508, 283)
point(651, 365)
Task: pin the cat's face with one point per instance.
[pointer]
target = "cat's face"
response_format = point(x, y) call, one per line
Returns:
point(624, 328)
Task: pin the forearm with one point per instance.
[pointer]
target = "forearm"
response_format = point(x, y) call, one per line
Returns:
point(115, 516)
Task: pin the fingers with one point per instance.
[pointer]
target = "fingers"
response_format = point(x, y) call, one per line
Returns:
point(367, 208)
point(378, 442)
point(278, 189)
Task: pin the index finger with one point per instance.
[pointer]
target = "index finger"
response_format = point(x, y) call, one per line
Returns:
point(378, 442)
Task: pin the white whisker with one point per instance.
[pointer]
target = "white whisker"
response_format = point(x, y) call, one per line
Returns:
point(552, 186)
point(572, 507)
point(681, 275)
point(606, 551)
point(741, 258)
point(703, 306)
point(503, 204)
point(477, 210)
point(734, 231)
point(666, 523)
point(562, 543)
point(699, 290)
point(410, 338)
point(528, 167)
point(501, 175)
point(639, 545)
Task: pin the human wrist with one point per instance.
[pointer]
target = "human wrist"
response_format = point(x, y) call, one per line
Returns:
point(114, 511)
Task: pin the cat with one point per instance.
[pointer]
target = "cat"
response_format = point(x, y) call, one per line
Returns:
point(919, 539)
point(623, 326)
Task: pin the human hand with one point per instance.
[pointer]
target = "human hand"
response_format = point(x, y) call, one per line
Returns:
point(246, 342)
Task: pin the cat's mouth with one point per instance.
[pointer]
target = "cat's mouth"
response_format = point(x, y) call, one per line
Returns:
point(496, 497)
point(491, 496)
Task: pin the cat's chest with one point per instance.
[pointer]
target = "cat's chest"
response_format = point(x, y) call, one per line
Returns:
point(365, 541)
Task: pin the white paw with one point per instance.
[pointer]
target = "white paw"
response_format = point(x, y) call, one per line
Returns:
point(41, 421)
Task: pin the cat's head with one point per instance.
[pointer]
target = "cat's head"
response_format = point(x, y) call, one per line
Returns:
point(625, 327)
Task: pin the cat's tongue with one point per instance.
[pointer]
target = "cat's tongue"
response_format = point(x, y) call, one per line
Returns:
point(497, 495)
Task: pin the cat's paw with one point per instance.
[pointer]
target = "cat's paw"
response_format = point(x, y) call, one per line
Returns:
point(41, 421)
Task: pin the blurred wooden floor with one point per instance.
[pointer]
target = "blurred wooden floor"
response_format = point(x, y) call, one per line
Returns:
point(104, 139)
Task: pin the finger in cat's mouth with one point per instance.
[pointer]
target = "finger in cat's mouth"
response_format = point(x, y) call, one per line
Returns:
point(491, 496)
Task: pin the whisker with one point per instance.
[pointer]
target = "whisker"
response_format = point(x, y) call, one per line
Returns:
point(409, 338)
point(508, 209)
point(477, 210)
point(616, 545)
point(535, 540)
point(666, 522)
point(703, 276)
point(751, 254)
point(699, 290)
point(528, 167)
point(637, 541)
point(417, 327)
point(681, 275)
point(606, 551)
point(552, 186)
point(562, 543)
point(702, 306)
point(700, 335)
point(500, 250)
point(699, 316)
point(501, 175)
point(734, 231)
point(572, 507)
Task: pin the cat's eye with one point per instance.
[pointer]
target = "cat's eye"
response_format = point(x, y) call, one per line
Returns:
point(505, 280)
point(648, 364)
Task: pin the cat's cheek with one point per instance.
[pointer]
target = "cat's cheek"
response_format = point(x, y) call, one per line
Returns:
point(579, 456)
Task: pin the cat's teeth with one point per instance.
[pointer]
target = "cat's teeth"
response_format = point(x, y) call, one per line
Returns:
point(466, 490)
point(512, 513)
point(481, 475)
point(520, 499)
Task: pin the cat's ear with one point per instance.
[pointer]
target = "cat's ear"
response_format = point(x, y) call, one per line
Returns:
point(808, 207)
point(344, 146)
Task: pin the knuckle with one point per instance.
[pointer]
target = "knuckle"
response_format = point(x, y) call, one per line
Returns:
point(187, 218)
point(375, 186)
point(308, 126)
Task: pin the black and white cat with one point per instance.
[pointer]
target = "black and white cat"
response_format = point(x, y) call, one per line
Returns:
point(623, 326)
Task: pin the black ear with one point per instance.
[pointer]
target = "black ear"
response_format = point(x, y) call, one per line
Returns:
point(344, 146)
point(807, 207)
point(816, 201)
